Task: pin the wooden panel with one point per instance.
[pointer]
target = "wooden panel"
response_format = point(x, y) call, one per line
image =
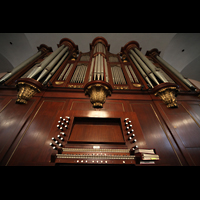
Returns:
point(4, 101)
point(195, 155)
point(12, 118)
point(156, 134)
point(80, 105)
point(96, 130)
point(195, 110)
point(33, 147)
point(117, 137)
point(184, 124)
point(86, 105)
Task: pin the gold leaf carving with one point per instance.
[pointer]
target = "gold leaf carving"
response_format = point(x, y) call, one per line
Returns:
point(168, 95)
point(98, 94)
point(26, 92)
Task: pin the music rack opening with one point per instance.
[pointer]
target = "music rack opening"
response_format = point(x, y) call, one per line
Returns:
point(96, 130)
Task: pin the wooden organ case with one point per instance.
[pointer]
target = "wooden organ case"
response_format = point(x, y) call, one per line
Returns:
point(65, 107)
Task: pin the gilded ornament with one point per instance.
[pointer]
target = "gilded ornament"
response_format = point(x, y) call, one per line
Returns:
point(74, 55)
point(137, 85)
point(98, 94)
point(59, 82)
point(168, 95)
point(124, 58)
point(26, 92)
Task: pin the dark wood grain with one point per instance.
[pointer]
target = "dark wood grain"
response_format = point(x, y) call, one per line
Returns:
point(26, 131)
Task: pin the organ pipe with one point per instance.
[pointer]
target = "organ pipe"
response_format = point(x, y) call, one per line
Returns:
point(91, 70)
point(63, 72)
point(184, 80)
point(45, 62)
point(68, 71)
point(98, 68)
point(141, 71)
point(95, 68)
point(106, 70)
point(129, 74)
point(30, 70)
point(55, 68)
point(145, 68)
point(166, 76)
point(154, 69)
point(118, 76)
point(133, 74)
point(20, 66)
point(79, 74)
point(75, 74)
point(101, 67)
point(52, 64)
point(99, 47)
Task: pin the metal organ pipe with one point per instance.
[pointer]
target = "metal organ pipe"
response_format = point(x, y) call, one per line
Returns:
point(101, 67)
point(141, 70)
point(75, 74)
point(117, 75)
point(120, 79)
point(145, 68)
point(45, 62)
point(155, 69)
point(95, 49)
point(79, 74)
point(19, 67)
point(133, 74)
point(52, 63)
point(68, 71)
point(99, 47)
point(98, 63)
point(30, 70)
point(98, 68)
point(91, 70)
point(106, 70)
point(129, 74)
point(184, 80)
point(95, 68)
point(84, 73)
point(63, 72)
point(55, 68)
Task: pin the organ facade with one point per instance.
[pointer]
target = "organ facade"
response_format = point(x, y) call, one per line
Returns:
point(66, 107)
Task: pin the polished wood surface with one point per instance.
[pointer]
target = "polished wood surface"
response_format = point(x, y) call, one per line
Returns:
point(26, 130)
point(96, 130)
point(26, 133)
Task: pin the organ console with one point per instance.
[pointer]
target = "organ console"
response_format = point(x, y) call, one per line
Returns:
point(138, 101)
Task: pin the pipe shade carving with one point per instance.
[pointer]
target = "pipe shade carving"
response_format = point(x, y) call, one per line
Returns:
point(98, 91)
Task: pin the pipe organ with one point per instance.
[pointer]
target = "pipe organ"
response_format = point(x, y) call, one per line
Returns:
point(66, 107)
point(117, 75)
point(79, 74)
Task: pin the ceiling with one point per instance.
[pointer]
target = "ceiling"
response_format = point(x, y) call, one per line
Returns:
point(181, 50)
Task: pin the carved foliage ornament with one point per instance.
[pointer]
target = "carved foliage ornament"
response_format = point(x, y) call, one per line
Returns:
point(26, 92)
point(98, 94)
point(168, 95)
